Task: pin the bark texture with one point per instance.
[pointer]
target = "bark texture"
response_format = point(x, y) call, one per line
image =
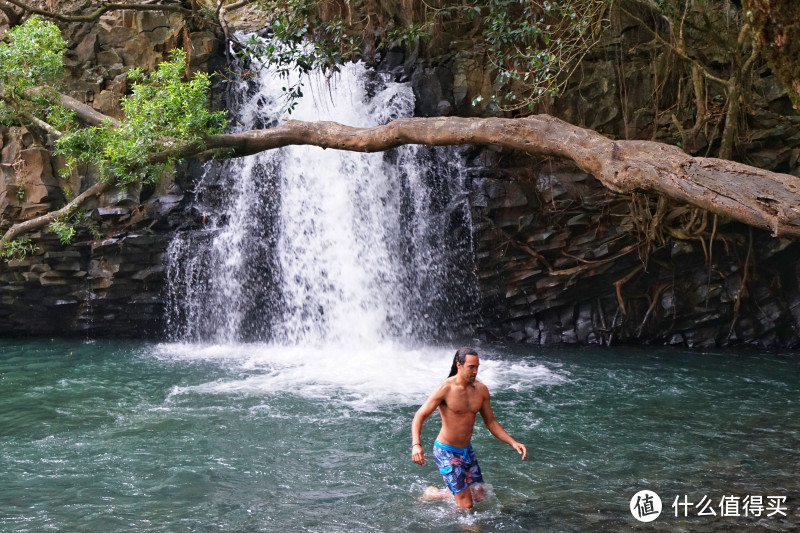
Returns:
point(754, 196)
point(757, 197)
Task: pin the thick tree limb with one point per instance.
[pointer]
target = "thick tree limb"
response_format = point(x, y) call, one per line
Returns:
point(234, 6)
point(100, 11)
point(89, 116)
point(41, 123)
point(754, 196)
point(39, 222)
point(30, 118)
point(86, 113)
point(10, 14)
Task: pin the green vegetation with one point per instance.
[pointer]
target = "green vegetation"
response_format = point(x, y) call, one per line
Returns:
point(532, 44)
point(162, 112)
point(306, 37)
point(16, 249)
point(527, 50)
point(30, 60)
point(64, 230)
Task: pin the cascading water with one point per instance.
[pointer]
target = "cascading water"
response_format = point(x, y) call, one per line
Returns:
point(309, 246)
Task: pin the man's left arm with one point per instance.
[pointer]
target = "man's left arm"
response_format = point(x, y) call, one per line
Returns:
point(496, 429)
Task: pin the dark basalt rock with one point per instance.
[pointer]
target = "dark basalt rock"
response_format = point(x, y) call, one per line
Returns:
point(559, 259)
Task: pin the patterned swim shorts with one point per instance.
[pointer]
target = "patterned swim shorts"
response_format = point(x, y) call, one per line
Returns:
point(458, 466)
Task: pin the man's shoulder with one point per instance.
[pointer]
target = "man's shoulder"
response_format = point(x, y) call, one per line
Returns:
point(444, 386)
point(480, 387)
point(449, 383)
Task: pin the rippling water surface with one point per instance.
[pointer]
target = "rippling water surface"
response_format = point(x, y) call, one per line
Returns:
point(173, 437)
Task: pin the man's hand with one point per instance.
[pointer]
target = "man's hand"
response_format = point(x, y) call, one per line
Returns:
point(520, 449)
point(418, 454)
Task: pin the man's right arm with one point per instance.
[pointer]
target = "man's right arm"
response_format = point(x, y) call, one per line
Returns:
point(430, 405)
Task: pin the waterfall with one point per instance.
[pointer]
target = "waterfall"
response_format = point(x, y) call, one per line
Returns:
point(310, 246)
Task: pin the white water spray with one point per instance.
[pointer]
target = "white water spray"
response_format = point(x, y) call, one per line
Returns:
point(386, 374)
point(322, 272)
point(318, 247)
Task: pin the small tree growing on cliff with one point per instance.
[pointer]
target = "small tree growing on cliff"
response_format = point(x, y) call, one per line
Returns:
point(30, 62)
point(162, 112)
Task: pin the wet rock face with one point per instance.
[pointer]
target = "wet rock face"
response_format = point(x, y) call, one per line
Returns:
point(28, 181)
point(561, 260)
point(110, 281)
point(99, 286)
point(100, 54)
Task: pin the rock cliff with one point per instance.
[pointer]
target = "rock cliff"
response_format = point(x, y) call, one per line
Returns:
point(559, 258)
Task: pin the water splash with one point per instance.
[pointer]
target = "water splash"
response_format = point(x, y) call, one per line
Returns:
point(386, 374)
point(305, 246)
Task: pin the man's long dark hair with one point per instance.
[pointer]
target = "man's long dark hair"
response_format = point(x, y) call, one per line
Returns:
point(460, 357)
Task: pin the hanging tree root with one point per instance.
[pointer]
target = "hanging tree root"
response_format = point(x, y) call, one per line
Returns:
point(657, 292)
point(737, 304)
point(622, 281)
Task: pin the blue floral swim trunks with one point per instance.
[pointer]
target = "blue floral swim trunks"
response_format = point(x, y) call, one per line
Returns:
point(458, 466)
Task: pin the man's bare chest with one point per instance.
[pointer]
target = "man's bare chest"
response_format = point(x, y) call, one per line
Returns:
point(462, 403)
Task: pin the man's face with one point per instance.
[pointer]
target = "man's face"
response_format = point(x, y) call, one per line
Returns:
point(469, 370)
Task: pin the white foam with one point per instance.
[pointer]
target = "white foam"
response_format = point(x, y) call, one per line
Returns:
point(360, 376)
point(350, 231)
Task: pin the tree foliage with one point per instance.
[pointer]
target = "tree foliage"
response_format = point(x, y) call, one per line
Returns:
point(30, 59)
point(161, 112)
point(16, 249)
point(533, 45)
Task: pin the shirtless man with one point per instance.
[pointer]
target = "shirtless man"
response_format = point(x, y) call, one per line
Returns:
point(459, 398)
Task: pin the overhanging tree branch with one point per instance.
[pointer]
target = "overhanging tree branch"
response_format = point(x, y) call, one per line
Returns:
point(41, 221)
point(751, 195)
point(87, 113)
point(754, 196)
point(100, 11)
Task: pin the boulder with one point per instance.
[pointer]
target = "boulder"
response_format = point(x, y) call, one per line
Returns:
point(204, 45)
point(40, 184)
point(9, 200)
point(87, 48)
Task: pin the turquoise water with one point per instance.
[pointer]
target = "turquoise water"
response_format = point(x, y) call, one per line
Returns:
point(112, 436)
